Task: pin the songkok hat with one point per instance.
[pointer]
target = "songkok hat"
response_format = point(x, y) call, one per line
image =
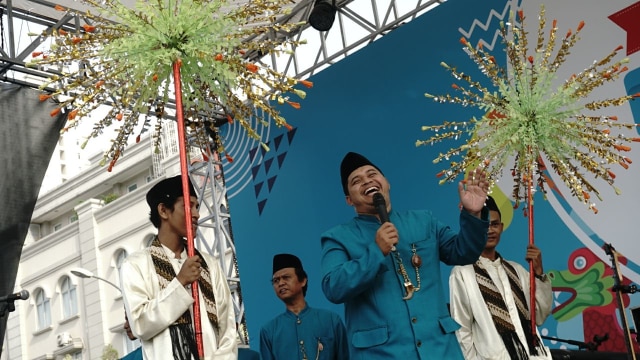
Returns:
point(167, 189)
point(281, 261)
point(491, 205)
point(351, 162)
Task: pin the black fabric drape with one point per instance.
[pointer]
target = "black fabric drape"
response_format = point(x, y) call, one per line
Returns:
point(28, 136)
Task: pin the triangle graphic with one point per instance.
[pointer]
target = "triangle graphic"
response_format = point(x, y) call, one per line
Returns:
point(252, 153)
point(267, 165)
point(257, 187)
point(277, 140)
point(270, 182)
point(261, 205)
point(291, 134)
point(281, 159)
point(254, 171)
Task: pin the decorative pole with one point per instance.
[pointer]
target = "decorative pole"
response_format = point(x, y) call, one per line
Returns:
point(527, 114)
point(532, 279)
point(184, 170)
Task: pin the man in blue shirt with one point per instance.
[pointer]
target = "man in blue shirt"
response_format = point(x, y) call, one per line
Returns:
point(301, 332)
point(388, 275)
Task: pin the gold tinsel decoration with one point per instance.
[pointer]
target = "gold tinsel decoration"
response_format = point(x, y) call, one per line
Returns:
point(526, 116)
point(123, 58)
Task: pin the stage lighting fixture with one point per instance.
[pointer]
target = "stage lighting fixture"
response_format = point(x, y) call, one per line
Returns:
point(323, 14)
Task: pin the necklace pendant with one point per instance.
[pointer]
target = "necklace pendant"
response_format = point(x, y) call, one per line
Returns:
point(416, 260)
point(410, 289)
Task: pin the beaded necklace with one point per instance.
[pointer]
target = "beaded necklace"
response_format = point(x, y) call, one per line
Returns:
point(304, 352)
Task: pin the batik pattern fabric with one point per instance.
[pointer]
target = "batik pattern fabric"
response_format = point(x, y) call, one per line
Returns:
point(478, 335)
point(152, 309)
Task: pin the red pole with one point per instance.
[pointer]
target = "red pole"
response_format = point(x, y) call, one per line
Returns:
point(187, 206)
point(532, 279)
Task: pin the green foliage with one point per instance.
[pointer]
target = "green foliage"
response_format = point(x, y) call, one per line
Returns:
point(109, 353)
point(109, 198)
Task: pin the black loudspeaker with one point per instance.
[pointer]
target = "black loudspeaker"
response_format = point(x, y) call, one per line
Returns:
point(558, 354)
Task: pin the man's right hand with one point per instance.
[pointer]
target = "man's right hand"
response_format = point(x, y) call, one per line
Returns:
point(387, 237)
point(190, 270)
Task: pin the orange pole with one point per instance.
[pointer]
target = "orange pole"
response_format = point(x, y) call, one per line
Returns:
point(532, 279)
point(184, 169)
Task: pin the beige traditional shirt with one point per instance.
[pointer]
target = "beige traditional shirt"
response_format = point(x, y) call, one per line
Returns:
point(151, 310)
point(478, 336)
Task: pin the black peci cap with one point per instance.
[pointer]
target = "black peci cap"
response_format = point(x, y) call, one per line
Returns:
point(170, 188)
point(281, 261)
point(351, 162)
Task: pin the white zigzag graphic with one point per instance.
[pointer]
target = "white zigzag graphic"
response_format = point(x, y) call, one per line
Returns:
point(511, 4)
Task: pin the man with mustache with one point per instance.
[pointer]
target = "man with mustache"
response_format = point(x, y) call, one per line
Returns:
point(301, 332)
point(388, 275)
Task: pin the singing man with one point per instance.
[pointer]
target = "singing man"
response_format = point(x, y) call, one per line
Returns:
point(388, 275)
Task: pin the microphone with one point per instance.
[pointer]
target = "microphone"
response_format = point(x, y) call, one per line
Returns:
point(22, 295)
point(381, 207)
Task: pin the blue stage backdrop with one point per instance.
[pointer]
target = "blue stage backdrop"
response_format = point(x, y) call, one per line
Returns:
point(373, 103)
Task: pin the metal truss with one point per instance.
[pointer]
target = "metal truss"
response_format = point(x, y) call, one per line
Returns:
point(357, 24)
point(207, 176)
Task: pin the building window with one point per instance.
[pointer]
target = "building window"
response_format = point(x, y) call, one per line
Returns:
point(34, 231)
point(69, 298)
point(119, 259)
point(120, 256)
point(57, 227)
point(73, 218)
point(43, 309)
point(132, 187)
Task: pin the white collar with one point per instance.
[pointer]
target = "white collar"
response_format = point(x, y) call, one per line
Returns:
point(488, 262)
point(171, 255)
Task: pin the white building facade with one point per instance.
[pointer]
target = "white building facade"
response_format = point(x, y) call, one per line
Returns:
point(92, 221)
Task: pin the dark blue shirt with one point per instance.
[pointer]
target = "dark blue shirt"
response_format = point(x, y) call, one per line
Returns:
point(319, 333)
point(134, 355)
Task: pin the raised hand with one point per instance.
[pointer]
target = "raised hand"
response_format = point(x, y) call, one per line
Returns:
point(473, 191)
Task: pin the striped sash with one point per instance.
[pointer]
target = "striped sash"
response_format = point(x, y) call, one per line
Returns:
point(182, 336)
point(500, 314)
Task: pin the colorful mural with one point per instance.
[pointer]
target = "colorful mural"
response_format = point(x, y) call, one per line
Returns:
point(585, 289)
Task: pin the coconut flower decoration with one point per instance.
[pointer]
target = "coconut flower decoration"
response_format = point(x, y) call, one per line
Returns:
point(528, 118)
point(124, 58)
